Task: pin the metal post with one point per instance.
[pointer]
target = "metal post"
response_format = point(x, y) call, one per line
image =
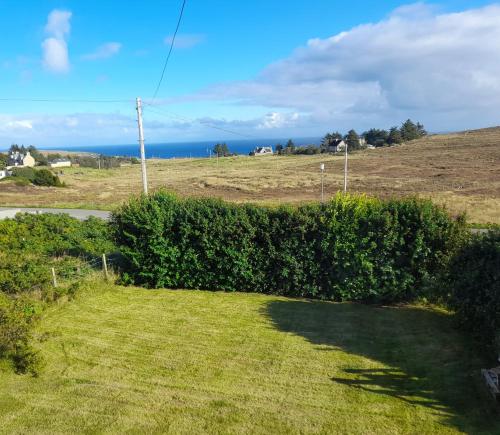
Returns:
point(345, 169)
point(105, 266)
point(54, 279)
point(322, 169)
point(141, 144)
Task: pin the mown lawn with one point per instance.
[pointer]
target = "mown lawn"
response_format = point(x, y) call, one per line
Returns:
point(127, 360)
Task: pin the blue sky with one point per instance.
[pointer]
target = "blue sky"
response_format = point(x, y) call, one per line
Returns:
point(261, 68)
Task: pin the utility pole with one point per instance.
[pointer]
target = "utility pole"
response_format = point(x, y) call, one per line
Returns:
point(345, 169)
point(141, 144)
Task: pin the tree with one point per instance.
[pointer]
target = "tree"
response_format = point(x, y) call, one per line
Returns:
point(3, 160)
point(394, 136)
point(421, 130)
point(290, 145)
point(326, 142)
point(221, 150)
point(14, 148)
point(352, 140)
point(279, 148)
point(376, 137)
point(411, 131)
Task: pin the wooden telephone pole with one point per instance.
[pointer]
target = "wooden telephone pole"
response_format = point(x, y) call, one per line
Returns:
point(141, 145)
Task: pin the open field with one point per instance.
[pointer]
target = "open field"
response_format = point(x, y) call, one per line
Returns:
point(460, 170)
point(156, 361)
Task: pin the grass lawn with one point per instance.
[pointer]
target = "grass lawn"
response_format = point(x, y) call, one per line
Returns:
point(133, 360)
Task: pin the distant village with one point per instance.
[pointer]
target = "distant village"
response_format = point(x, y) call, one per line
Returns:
point(28, 164)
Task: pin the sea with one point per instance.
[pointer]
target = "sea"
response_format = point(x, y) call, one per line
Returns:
point(182, 149)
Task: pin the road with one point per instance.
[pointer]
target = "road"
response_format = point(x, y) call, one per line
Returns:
point(80, 214)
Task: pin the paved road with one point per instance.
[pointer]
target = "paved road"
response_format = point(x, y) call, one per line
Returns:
point(9, 212)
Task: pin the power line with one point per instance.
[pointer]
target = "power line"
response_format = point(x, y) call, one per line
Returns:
point(170, 50)
point(208, 124)
point(63, 100)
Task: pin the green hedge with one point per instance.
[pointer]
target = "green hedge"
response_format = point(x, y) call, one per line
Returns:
point(473, 283)
point(353, 248)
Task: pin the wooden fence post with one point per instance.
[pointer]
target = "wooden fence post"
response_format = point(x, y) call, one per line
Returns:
point(105, 266)
point(54, 279)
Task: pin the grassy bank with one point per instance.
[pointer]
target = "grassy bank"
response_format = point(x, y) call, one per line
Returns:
point(128, 359)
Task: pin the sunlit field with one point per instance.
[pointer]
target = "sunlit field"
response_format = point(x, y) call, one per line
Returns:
point(459, 170)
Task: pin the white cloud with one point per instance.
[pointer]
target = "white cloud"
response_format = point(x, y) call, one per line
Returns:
point(187, 40)
point(58, 23)
point(55, 55)
point(442, 68)
point(104, 51)
point(55, 48)
point(276, 120)
point(46, 130)
point(22, 124)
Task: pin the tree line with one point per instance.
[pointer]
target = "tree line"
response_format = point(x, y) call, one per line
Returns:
point(408, 131)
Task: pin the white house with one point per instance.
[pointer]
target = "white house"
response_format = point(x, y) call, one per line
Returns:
point(336, 146)
point(3, 174)
point(261, 151)
point(20, 160)
point(60, 163)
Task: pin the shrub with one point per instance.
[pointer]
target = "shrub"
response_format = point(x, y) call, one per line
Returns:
point(56, 235)
point(353, 248)
point(473, 283)
point(15, 319)
point(23, 272)
point(26, 173)
point(44, 177)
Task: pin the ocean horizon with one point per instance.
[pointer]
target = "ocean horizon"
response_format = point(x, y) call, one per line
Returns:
point(181, 149)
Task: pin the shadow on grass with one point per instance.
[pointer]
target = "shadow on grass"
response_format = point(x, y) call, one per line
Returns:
point(425, 361)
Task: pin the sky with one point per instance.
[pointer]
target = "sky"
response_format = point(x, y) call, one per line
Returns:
point(259, 69)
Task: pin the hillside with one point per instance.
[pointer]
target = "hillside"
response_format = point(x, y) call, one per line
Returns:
point(461, 170)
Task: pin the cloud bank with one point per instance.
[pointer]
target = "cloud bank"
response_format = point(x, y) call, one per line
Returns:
point(441, 68)
point(55, 56)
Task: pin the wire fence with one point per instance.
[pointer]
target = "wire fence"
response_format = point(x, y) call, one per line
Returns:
point(82, 266)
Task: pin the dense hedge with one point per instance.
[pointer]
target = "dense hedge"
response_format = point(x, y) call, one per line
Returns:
point(353, 248)
point(473, 282)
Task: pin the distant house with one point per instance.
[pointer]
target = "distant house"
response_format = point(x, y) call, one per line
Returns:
point(20, 160)
point(3, 174)
point(336, 146)
point(60, 163)
point(261, 151)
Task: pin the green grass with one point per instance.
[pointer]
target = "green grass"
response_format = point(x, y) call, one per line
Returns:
point(158, 361)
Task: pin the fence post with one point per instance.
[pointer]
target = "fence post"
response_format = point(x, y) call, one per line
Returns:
point(105, 266)
point(54, 279)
